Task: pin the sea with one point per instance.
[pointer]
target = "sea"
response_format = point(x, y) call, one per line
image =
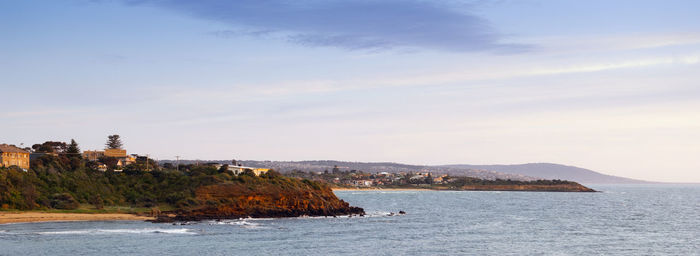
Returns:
point(620, 220)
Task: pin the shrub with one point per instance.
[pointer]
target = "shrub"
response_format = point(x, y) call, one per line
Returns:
point(64, 201)
point(97, 201)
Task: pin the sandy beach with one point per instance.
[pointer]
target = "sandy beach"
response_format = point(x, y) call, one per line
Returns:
point(19, 217)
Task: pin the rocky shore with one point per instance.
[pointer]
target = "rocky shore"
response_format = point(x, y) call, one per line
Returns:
point(232, 201)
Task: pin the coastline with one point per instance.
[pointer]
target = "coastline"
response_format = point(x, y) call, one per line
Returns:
point(27, 217)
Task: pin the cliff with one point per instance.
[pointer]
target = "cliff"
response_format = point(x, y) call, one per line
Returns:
point(283, 197)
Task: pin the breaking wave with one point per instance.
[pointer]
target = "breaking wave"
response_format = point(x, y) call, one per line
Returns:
point(244, 223)
point(373, 214)
point(236, 222)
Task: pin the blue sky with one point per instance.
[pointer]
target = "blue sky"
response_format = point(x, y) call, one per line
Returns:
point(606, 85)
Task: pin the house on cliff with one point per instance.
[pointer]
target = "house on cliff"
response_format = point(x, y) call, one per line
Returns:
point(236, 170)
point(123, 159)
point(11, 155)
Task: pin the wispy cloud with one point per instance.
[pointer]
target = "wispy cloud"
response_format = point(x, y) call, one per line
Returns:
point(466, 75)
point(587, 44)
point(356, 24)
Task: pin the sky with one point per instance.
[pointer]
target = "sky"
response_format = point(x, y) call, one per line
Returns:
point(607, 85)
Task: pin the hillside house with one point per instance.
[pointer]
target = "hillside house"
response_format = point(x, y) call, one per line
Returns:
point(11, 155)
point(93, 155)
point(362, 183)
point(236, 170)
point(123, 159)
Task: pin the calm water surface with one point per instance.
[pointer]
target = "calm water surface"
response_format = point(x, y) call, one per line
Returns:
point(623, 220)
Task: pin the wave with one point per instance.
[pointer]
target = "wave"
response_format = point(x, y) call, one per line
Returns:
point(373, 214)
point(253, 222)
point(379, 214)
point(119, 231)
point(240, 222)
point(251, 218)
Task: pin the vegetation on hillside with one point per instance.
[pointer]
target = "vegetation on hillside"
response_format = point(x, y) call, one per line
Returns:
point(65, 182)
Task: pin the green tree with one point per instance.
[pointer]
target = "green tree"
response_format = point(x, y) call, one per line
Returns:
point(73, 150)
point(50, 147)
point(114, 142)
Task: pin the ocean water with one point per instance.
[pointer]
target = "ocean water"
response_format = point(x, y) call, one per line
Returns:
point(622, 220)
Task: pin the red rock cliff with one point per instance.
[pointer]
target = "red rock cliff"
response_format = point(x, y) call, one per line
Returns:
point(283, 197)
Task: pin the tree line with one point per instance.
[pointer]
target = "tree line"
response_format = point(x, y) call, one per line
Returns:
point(65, 181)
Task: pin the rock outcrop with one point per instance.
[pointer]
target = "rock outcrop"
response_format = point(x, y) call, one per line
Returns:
point(285, 198)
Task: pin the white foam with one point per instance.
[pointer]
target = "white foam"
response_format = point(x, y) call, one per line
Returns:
point(318, 217)
point(367, 215)
point(119, 231)
point(379, 214)
point(242, 223)
point(250, 218)
point(250, 222)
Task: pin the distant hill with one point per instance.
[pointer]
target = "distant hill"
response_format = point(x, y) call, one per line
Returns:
point(524, 172)
point(327, 165)
point(554, 171)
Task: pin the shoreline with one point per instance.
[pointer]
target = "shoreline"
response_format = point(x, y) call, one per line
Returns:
point(31, 217)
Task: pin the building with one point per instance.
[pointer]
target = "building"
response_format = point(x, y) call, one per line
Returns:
point(11, 155)
point(362, 183)
point(93, 155)
point(441, 179)
point(236, 170)
point(115, 152)
point(120, 154)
